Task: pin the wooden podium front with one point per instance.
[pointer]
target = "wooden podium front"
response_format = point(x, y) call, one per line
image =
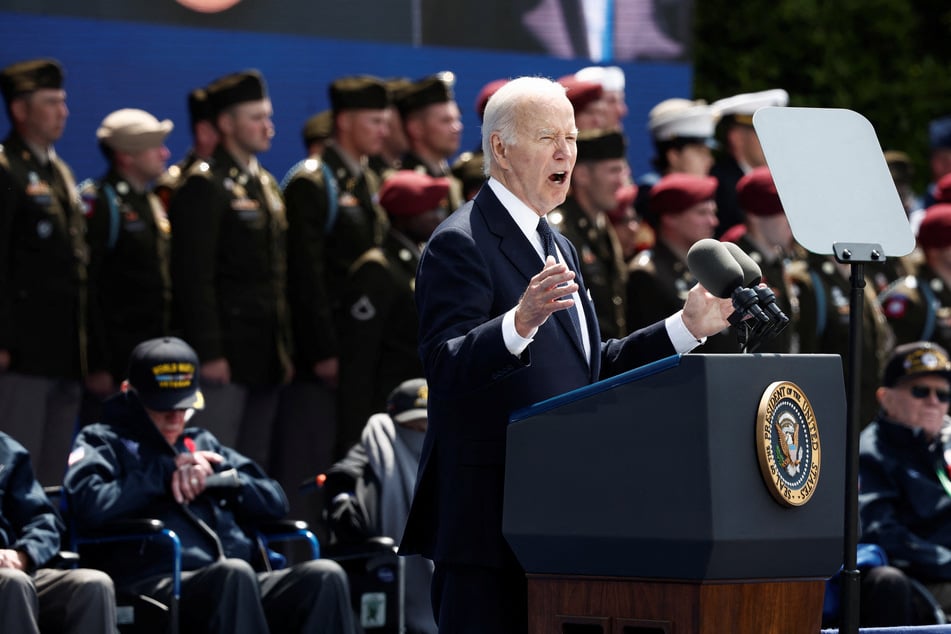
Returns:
point(616, 605)
point(638, 506)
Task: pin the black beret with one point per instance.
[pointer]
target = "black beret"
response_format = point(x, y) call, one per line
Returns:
point(396, 86)
point(199, 109)
point(425, 92)
point(235, 88)
point(357, 93)
point(318, 127)
point(25, 77)
point(601, 145)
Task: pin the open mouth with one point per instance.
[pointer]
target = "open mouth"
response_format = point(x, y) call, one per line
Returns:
point(558, 177)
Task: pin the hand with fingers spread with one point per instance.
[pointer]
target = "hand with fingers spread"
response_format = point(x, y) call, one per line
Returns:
point(548, 291)
point(188, 479)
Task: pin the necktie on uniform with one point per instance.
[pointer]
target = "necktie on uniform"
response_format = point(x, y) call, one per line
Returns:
point(548, 241)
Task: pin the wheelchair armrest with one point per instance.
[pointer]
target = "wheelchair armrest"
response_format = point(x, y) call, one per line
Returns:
point(282, 526)
point(125, 527)
point(288, 530)
point(372, 545)
point(62, 560)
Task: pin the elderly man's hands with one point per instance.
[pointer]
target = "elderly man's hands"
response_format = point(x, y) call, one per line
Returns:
point(705, 314)
point(544, 296)
point(188, 479)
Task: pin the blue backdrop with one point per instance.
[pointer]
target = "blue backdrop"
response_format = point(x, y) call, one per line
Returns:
point(114, 64)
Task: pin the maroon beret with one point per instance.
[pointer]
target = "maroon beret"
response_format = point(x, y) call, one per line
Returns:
point(487, 91)
point(580, 93)
point(407, 193)
point(935, 229)
point(756, 193)
point(679, 192)
point(942, 192)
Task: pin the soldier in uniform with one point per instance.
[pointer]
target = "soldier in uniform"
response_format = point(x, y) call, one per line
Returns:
point(43, 260)
point(822, 289)
point(918, 306)
point(611, 79)
point(587, 98)
point(128, 235)
point(469, 170)
point(379, 324)
point(433, 127)
point(741, 150)
point(658, 278)
point(204, 141)
point(395, 145)
point(601, 170)
point(768, 241)
point(228, 269)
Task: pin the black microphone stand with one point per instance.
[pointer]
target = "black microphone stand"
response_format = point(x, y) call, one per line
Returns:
point(855, 255)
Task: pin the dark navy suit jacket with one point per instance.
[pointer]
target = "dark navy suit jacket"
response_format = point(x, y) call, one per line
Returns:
point(475, 267)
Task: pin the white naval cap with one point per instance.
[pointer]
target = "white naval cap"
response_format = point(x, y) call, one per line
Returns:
point(743, 107)
point(682, 118)
point(611, 78)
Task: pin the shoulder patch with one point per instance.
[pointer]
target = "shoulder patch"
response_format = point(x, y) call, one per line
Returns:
point(896, 306)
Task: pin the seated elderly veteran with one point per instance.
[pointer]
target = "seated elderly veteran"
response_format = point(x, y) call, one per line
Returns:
point(141, 461)
point(905, 485)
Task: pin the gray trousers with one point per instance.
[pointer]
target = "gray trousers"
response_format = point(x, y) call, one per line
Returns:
point(80, 601)
point(40, 413)
point(229, 597)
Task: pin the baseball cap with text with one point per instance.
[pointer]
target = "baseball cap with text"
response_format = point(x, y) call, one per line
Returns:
point(164, 374)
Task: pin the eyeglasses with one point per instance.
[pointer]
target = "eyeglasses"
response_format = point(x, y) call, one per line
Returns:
point(924, 391)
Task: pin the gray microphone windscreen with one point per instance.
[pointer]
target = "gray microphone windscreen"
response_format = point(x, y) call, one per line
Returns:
point(714, 267)
point(752, 275)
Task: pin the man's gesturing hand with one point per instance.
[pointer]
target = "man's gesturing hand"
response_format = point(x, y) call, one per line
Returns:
point(544, 295)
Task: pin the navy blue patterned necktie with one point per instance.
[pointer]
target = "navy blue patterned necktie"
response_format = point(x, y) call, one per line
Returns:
point(548, 241)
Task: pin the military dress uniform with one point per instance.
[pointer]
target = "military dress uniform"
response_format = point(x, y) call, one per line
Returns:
point(918, 308)
point(823, 294)
point(378, 330)
point(229, 276)
point(43, 294)
point(602, 265)
point(129, 239)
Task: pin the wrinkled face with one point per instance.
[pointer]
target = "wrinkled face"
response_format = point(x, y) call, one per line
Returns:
point(441, 128)
point(601, 180)
point(537, 166)
point(694, 224)
point(170, 424)
point(364, 130)
point(147, 165)
point(41, 115)
point(916, 402)
point(250, 126)
point(693, 158)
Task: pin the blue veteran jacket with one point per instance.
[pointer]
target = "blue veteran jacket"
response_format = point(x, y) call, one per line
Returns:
point(903, 506)
point(28, 521)
point(475, 268)
point(122, 469)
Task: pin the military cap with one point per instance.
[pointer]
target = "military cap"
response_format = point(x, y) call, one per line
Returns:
point(601, 145)
point(942, 191)
point(395, 86)
point(425, 92)
point(741, 108)
point(935, 229)
point(408, 192)
point(682, 119)
point(611, 78)
point(679, 192)
point(133, 130)
point(580, 93)
point(756, 193)
point(358, 93)
point(199, 109)
point(163, 372)
point(482, 99)
point(28, 76)
point(915, 359)
point(408, 401)
point(469, 168)
point(939, 133)
point(625, 197)
point(319, 127)
point(235, 88)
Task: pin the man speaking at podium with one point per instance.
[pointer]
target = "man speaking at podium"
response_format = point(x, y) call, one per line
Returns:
point(506, 321)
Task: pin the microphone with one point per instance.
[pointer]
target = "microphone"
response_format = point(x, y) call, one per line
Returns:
point(719, 272)
point(752, 276)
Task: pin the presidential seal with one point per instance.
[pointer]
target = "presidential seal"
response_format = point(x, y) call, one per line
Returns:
point(787, 443)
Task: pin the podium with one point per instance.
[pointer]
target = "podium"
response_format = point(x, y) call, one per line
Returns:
point(638, 505)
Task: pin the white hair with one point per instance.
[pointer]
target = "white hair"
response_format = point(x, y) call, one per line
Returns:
point(503, 108)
